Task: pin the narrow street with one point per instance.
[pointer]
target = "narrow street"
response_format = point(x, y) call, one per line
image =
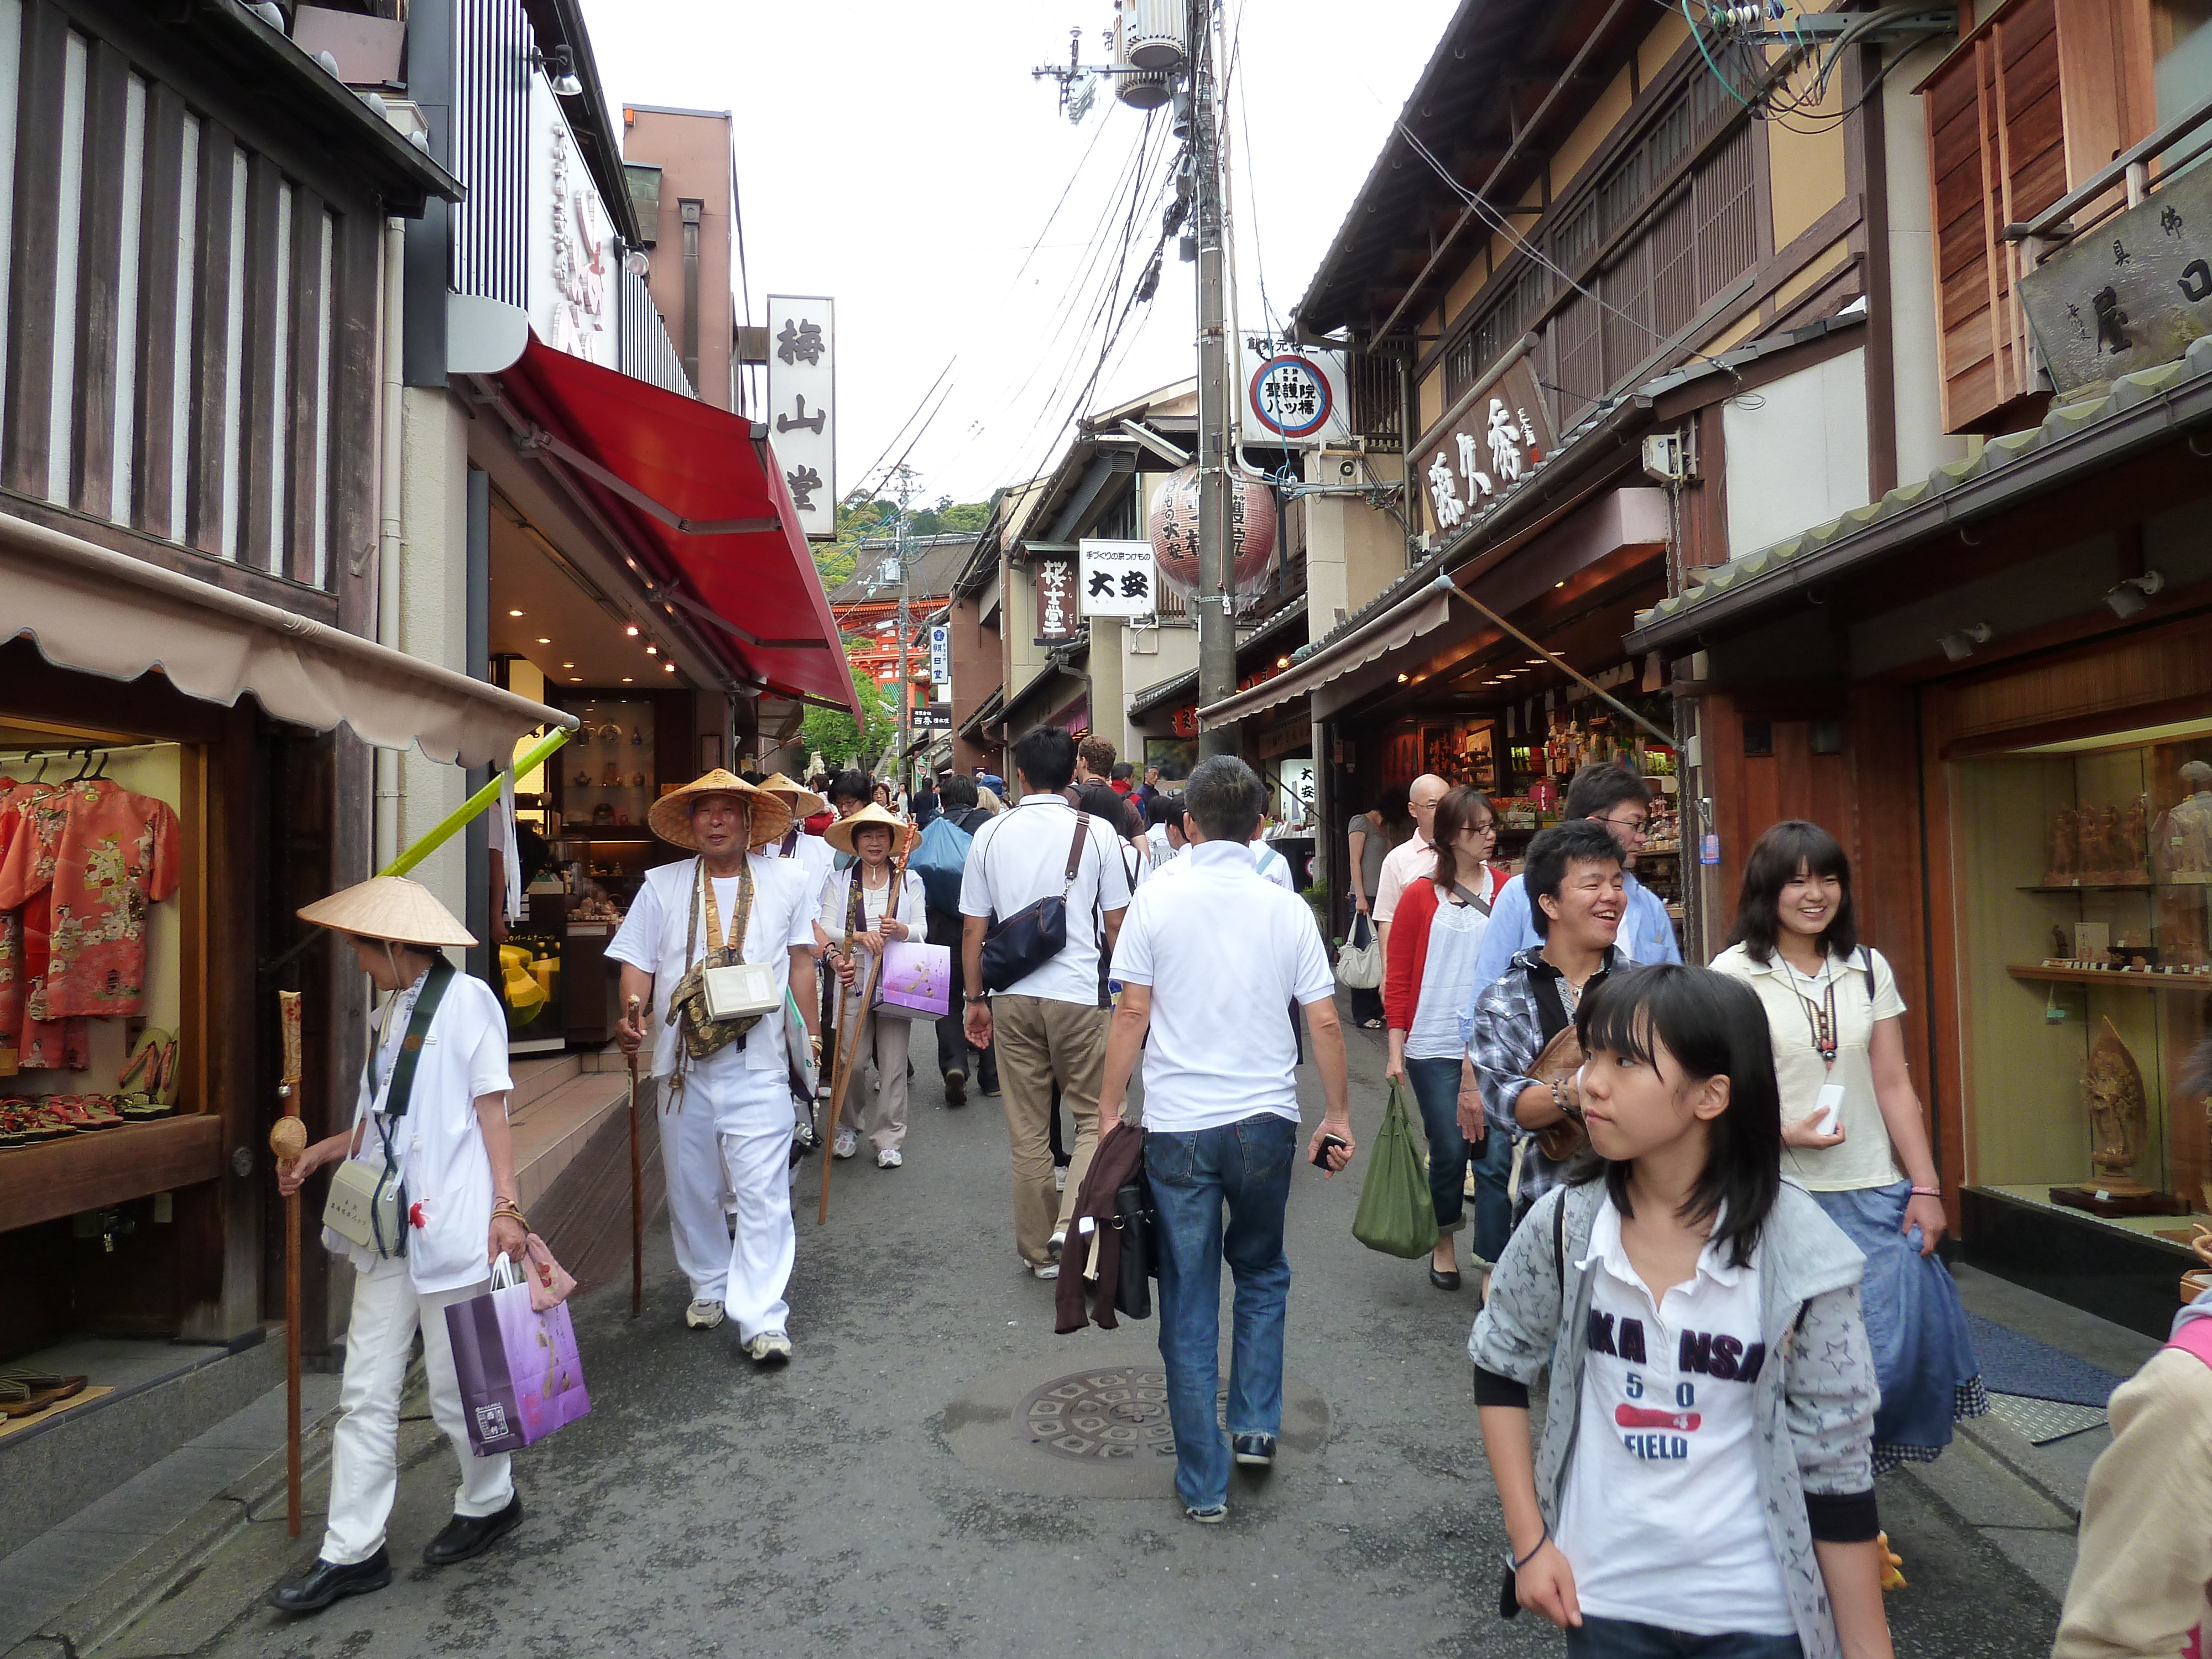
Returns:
point(881, 1495)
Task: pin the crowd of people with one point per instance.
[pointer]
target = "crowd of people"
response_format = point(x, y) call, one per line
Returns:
point(1704, 1209)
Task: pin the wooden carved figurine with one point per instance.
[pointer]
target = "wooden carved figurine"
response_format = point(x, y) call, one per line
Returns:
point(2111, 838)
point(2089, 845)
point(2119, 1113)
point(2064, 849)
point(2135, 839)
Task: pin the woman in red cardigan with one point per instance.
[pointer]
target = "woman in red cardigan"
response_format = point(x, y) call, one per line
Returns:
point(1428, 974)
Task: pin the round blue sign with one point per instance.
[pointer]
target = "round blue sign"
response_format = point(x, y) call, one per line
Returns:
point(1290, 395)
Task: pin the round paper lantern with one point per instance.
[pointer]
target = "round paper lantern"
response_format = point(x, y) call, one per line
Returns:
point(1174, 529)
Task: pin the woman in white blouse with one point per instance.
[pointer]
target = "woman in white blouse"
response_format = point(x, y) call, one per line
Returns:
point(859, 917)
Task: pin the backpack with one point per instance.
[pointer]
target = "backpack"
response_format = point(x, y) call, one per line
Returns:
point(939, 859)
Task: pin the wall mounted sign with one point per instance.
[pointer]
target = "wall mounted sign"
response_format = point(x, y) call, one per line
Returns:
point(2131, 294)
point(1493, 438)
point(802, 396)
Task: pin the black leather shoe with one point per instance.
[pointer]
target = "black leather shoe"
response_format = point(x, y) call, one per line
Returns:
point(473, 1534)
point(956, 1088)
point(1443, 1281)
point(326, 1582)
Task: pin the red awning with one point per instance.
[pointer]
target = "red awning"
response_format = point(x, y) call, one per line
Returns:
point(701, 502)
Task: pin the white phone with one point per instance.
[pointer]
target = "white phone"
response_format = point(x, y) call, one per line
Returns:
point(1828, 1108)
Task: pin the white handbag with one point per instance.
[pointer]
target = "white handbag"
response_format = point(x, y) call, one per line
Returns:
point(739, 990)
point(1359, 963)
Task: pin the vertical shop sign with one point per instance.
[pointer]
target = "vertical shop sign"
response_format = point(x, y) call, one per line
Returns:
point(1055, 601)
point(802, 403)
point(570, 305)
point(1118, 578)
point(940, 663)
point(1491, 439)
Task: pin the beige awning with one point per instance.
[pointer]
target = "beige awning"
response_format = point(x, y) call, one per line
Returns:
point(1424, 609)
point(107, 613)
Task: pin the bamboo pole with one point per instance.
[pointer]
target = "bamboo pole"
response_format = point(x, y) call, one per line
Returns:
point(636, 1193)
point(287, 1138)
point(451, 824)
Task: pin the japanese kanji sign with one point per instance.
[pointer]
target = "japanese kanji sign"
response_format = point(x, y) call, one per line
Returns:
point(940, 663)
point(1490, 438)
point(1055, 601)
point(2131, 294)
point(1118, 578)
point(802, 407)
point(1293, 398)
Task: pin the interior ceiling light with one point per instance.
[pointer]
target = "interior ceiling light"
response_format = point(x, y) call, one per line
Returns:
point(514, 613)
point(631, 630)
point(567, 665)
point(625, 679)
point(652, 650)
point(575, 679)
point(1401, 679)
point(545, 641)
point(668, 668)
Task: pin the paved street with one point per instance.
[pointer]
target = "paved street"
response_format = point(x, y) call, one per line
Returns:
point(877, 1496)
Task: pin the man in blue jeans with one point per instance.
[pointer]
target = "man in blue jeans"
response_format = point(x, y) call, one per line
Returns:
point(1211, 966)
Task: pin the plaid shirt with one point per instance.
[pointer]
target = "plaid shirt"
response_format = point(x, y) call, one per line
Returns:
point(1504, 1037)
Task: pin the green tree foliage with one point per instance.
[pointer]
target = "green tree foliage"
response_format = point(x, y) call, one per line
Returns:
point(831, 734)
point(862, 518)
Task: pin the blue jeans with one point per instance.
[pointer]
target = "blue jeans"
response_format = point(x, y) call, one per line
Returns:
point(1436, 1091)
point(1619, 1638)
point(1245, 1166)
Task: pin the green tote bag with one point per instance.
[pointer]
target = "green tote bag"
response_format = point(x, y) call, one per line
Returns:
point(1396, 1215)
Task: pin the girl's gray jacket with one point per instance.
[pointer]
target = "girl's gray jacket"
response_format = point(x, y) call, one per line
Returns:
point(1815, 1412)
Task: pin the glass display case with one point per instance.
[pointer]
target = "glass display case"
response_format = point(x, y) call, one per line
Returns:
point(607, 771)
point(2084, 875)
point(530, 964)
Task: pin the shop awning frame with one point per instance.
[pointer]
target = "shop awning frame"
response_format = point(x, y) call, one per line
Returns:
point(98, 611)
point(1423, 610)
point(692, 499)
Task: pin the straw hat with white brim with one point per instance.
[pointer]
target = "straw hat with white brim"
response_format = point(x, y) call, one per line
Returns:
point(802, 802)
point(840, 834)
point(390, 908)
point(671, 816)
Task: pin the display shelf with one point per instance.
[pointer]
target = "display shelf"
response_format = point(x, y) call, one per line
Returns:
point(2098, 887)
point(108, 1166)
point(2195, 984)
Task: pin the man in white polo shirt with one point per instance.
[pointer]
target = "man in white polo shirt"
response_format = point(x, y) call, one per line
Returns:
point(1411, 857)
point(1207, 964)
point(1049, 1024)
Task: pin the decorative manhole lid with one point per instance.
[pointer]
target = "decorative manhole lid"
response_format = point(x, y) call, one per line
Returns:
point(1112, 1415)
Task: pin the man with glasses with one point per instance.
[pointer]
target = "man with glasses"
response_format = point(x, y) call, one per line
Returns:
point(1412, 858)
point(1611, 795)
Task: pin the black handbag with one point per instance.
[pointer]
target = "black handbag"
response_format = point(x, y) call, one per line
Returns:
point(1133, 1220)
point(1015, 947)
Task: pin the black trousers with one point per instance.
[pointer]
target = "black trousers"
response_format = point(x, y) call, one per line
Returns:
point(953, 1048)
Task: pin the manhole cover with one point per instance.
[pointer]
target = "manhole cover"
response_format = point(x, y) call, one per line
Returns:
point(1103, 1416)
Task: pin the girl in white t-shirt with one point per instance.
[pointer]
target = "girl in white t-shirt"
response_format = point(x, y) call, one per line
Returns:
point(1853, 1127)
point(1704, 1484)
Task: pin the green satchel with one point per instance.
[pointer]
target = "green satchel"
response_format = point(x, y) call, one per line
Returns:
point(1395, 1215)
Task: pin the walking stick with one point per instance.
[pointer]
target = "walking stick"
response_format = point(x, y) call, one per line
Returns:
point(846, 1058)
point(287, 1138)
point(636, 1192)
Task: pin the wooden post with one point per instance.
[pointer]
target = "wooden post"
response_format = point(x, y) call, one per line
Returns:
point(636, 1192)
point(287, 1138)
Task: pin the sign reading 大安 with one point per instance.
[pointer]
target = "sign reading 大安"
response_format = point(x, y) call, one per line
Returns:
point(1488, 441)
point(1117, 578)
point(802, 396)
point(2131, 294)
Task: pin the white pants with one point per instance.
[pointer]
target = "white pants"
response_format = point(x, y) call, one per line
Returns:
point(727, 1155)
point(365, 1446)
point(882, 1119)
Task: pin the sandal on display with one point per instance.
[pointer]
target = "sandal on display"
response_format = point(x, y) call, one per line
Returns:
point(22, 1393)
point(145, 1059)
point(164, 1083)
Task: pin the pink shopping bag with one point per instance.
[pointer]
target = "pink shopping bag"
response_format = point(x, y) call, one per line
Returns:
point(520, 1376)
point(917, 981)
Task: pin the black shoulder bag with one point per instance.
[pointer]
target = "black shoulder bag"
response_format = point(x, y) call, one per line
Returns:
point(1015, 947)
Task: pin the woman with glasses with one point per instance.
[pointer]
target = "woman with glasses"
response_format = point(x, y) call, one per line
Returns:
point(1436, 933)
point(1851, 1129)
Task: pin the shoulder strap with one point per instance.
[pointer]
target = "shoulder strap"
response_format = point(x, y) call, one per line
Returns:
point(1551, 1006)
point(1075, 851)
point(1481, 905)
point(411, 1047)
point(1559, 1248)
point(1867, 952)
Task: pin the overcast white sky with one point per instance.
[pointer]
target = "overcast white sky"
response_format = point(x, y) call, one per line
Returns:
point(900, 159)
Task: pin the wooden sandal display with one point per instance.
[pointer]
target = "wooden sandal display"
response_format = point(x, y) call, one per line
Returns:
point(22, 1393)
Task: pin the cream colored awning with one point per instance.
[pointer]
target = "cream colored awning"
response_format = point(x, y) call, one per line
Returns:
point(107, 613)
point(1424, 609)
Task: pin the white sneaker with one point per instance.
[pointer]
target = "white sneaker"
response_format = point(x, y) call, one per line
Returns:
point(768, 1348)
point(703, 1314)
point(889, 1158)
point(1059, 1177)
point(1040, 1270)
point(1057, 1244)
point(845, 1145)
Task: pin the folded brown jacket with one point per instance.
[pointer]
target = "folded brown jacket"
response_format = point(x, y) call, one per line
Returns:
point(1090, 1259)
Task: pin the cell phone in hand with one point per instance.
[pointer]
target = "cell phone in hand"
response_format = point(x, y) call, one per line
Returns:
point(1329, 1144)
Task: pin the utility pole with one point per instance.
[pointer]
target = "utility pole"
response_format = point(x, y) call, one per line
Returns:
point(905, 689)
point(1217, 629)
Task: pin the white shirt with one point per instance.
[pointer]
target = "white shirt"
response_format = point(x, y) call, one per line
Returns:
point(438, 1144)
point(1661, 1518)
point(1268, 864)
point(1795, 1006)
point(1447, 973)
point(1410, 858)
point(836, 911)
point(815, 860)
point(1225, 954)
point(653, 935)
point(1021, 856)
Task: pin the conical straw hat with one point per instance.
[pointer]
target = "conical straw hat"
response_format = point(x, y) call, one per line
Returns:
point(903, 834)
point(389, 907)
point(671, 816)
point(802, 802)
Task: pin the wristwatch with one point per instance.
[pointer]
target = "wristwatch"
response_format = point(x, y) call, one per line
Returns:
point(986, 997)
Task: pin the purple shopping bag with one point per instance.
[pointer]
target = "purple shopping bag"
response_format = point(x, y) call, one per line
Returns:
point(917, 981)
point(520, 1376)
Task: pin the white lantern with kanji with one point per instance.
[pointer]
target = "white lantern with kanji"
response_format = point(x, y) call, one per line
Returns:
point(1173, 529)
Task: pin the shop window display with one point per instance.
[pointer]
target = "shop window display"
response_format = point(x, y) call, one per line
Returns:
point(2085, 872)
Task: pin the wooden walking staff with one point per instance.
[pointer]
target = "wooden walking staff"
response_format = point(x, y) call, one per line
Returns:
point(846, 1056)
point(287, 1138)
point(636, 1190)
